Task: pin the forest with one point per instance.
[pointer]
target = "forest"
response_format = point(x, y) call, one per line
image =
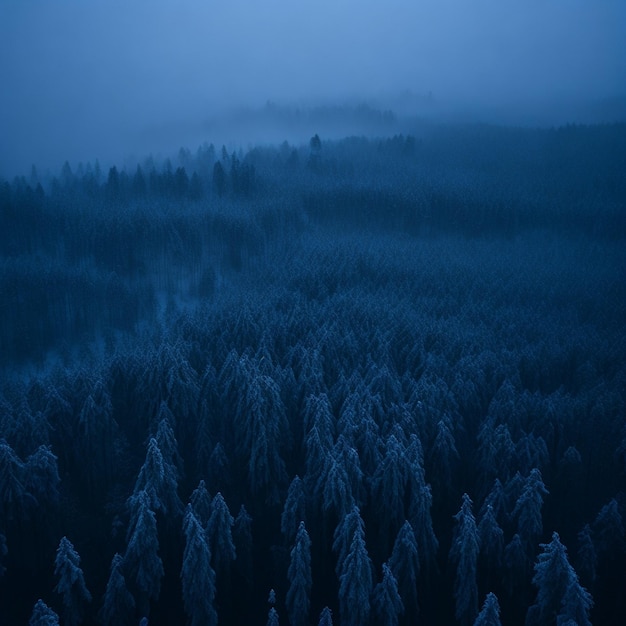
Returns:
point(355, 381)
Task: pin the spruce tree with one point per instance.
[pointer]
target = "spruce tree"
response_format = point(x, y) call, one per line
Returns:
point(219, 536)
point(118, 604)
point(404, 563)
point(300, 580)
point(326, 617)
point(43, 615)
point(70, 583)
point(528, 509)
point(386, 602)
point(464, 553)
point(355, 583)
point(558, 589)
point(197, 575)
point(294, 510)
point(490, 613)
point(142, 562)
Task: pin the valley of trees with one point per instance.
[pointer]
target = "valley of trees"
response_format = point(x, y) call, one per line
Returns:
point(366, 381)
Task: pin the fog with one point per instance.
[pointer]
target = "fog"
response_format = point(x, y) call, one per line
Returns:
point(84, 80)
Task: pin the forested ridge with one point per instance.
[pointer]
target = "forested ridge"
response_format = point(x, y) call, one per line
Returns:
point(367, 381)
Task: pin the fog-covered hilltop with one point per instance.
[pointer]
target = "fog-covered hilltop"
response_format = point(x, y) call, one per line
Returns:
point(341, 381)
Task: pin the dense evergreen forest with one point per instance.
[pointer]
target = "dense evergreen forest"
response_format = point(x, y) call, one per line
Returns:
point(364, 381)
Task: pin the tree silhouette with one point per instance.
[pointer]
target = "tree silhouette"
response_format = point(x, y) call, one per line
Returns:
point(157, 478)
point(43, 615)
point(420, 504)
point(272, 617)
point(14, 499)
point(70, 583)
point(608, 529)
point(326, 617)
point(490, 613)
point(587, 557)
point(201, 502)
point(141, 559)
point(118, 604)
point(242, 537)
point(558, 589)
point(491, 538)
point(464, 552)
point(355, 583)
point(388, 489)
point(404, 564)
point(294, 510)
point(197, 575)
point(575, 605)
point(528, 509)
point(300, 580)
point(344, 534)
point(166, 439)
point(386, 602)
point(517, 564)
point(219, 536)
point(219, 178)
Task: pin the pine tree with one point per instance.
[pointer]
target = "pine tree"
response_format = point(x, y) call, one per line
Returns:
point(531, 452)
point(336, 491)
point(575, 605)
point(41, 477)
point(516, 563)
point(157, 479)
point(404, 563)
point(587, 558)
point(318, 414)
point(43, 615)
point(118, 604)
point(388, 486)
point(197, 575)
point(491, 538)
point(490, 613)
point(294, 510)
point(420, 504)
point(496, 453)
point(386, 602)
point(609, 530)
point(558, 588)
point(344, 534)
point(444, 456)
point(272, 617)
point(70, 583)
point(201, 502)
point(96, 438)
point(355, 583)
point(317, 453)
point(219, 536)
point(348, 458)
point(242, 537)
point(166, 439)
point(496, 499)
point(218, 468)
point(300, 581)
point(528, 509)
point(14, 499)
point(326, 617)
point(464, 552)
point(141, 560)
point(260, 428)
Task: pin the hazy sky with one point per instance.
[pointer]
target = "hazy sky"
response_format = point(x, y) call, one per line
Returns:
point(81, 79)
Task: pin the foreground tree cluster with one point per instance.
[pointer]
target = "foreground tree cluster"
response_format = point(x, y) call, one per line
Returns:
point(361, 382)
